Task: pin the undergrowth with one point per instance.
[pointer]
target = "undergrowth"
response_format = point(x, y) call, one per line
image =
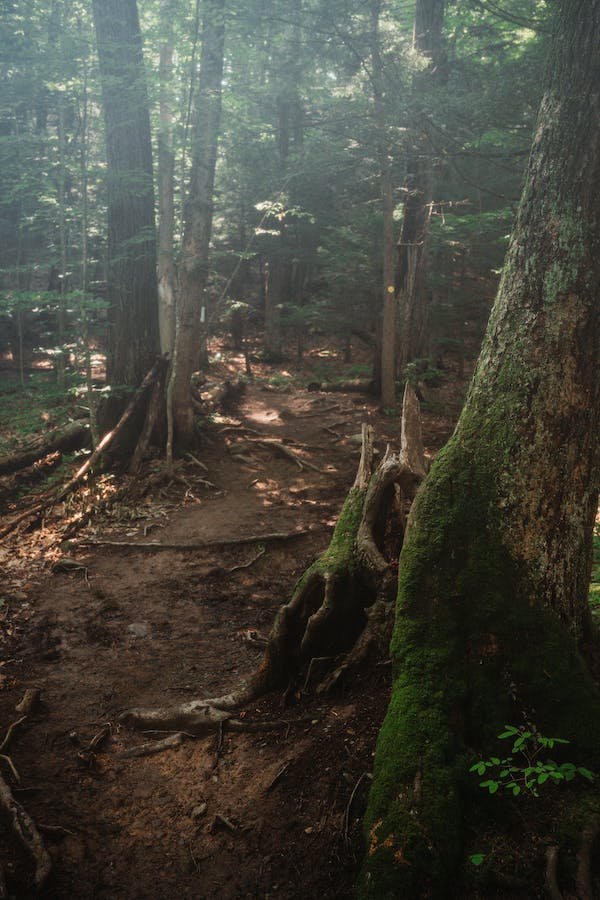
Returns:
point(34, 409)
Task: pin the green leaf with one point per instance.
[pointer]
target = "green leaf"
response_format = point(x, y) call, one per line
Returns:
point(509, 731)
point(492, 786)
point(476, 859)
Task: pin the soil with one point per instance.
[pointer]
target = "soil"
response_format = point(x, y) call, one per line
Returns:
point(271, 812)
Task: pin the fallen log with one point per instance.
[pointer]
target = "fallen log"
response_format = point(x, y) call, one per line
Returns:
point(104, 444)
point(349, 386)
point(71, 437)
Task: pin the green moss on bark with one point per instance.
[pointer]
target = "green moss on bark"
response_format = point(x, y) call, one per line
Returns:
point(469, 655)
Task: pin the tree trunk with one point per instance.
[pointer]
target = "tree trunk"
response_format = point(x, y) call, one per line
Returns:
point(166, 175)
point(411, 286)
point(132, 291)
point(388, 336)
point(193, 273)
point(494, 571)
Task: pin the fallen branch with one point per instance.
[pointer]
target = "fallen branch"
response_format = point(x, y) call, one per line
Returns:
point(10, 731)
point(104, 444)
point(202, 545)
point(351, 801)
point(246, 565)
point(71, 437)
point(24, 828)
point(152, 747)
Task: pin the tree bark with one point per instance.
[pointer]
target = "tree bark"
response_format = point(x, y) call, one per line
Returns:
point(166, 176)
point(193, 273)
point(132, 290)
point(495, 567)
point(389, 302)
point(411, 286)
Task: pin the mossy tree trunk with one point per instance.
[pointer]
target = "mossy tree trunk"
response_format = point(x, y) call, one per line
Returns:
point(494, 571)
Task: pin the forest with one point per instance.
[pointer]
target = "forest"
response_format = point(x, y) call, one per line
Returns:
point(299, 458)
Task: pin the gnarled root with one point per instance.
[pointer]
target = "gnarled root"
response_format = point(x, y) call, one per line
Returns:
point(24, 828)
point(341, 605)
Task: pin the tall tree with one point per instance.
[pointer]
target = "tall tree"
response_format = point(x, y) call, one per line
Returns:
point(411, 285)
point(498, 552)
point(132, 289)
point(198, 214)
point(166, 181)
point(388, 331)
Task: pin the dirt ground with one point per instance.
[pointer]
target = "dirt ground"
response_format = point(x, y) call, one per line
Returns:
point(271, 812)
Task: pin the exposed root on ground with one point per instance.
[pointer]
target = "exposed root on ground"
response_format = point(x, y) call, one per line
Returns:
point(341, 608)
point(19, 819)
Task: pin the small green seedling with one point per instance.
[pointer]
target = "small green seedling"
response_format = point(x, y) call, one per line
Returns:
point(526, 773)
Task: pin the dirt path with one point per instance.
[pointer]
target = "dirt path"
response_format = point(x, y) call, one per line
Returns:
point(141, 627)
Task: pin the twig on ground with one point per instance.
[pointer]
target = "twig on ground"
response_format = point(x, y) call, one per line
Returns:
point(275, 781)
point(197, 461)
point(201, 545)
point(152, 747)
point(220, 821)
point(11, 766)
point(351, 801)
point(246, 565)
point(318, 412)
point(314, 660)
point(9, 733)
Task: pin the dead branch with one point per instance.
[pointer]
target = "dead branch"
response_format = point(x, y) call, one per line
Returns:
point(202, 545)
point(70, 437)
point(104, 444)
point(9, 733)
point(275, 781)
point(261, 552)
point(150, 748)
point(346, 819)
point(349, 386)
point(24, 828)
point(153, 412)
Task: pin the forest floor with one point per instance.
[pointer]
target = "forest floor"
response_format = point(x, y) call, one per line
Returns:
point(272, 812)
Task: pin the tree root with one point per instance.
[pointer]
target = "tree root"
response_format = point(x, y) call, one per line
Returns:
point(342, 604)
point(24, 828)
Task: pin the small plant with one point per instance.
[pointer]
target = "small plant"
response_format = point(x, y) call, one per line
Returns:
point(523, 771)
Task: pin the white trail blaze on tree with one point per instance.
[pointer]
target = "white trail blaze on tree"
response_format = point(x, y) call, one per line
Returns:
point(494, 571)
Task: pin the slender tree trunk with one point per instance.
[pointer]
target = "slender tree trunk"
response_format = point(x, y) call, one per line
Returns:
point(411, 272)
point(388, 335)
point(166, 176)
point(132, 290)
point(193, 273)
point(87, 356)
point(494, 571)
